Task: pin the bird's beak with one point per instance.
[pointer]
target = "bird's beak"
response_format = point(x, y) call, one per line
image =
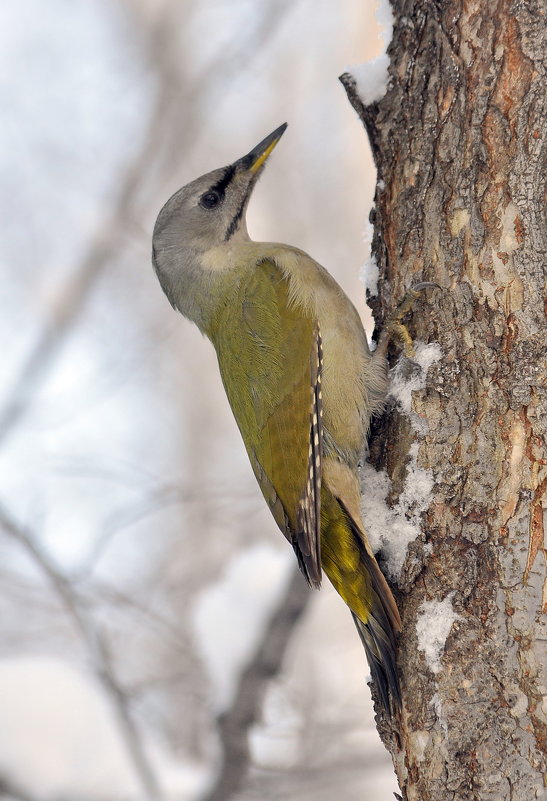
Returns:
point(254, 160)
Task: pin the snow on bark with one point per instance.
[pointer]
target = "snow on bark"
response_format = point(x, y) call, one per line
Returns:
point(372, 77)
point(435, 619)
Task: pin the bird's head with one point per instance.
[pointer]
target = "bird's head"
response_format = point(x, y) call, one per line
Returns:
point(207, 212)
point(204, 215)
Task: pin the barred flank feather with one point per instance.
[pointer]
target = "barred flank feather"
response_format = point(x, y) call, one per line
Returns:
point(309, 514)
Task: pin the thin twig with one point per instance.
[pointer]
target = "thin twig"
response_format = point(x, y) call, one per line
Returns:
point(98, 649)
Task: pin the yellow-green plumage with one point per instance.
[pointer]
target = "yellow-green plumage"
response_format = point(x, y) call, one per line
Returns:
point(265, 338)
point(300, 380)
point(265, 348)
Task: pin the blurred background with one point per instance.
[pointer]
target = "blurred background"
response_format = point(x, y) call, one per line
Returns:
point(140, 568)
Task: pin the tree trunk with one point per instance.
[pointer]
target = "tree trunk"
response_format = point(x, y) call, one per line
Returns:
point(459, 143)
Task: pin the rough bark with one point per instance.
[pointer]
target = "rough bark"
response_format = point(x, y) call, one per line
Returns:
point(459, 142)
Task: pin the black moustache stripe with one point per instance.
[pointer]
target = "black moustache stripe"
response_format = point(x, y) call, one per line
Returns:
point(232, 228)
point(224, 182)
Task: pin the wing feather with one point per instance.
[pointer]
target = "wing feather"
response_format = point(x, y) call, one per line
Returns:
point(270, 359)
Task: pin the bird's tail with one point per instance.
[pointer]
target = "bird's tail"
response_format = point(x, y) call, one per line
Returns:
point(378, 633)
point(352, 568)
point(378, 637)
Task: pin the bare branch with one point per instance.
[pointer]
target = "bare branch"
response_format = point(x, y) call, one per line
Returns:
point(97, 645)
point(235, 724)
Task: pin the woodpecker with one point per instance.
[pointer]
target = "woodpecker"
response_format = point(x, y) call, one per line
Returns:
point(300, 379)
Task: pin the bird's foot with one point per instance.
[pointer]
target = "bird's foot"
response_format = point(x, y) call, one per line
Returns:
point(394, 329)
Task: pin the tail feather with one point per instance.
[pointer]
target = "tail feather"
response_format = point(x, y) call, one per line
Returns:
point(355, 574)
point(378, 632)
point(379, 645)
point(378, 637)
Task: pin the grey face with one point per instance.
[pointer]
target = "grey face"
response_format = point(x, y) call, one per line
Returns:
point(206, 212)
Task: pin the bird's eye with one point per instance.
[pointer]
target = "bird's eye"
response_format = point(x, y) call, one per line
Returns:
point(209, 200)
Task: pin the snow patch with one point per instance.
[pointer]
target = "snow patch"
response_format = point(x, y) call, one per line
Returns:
point(437, 705)
point(369, 273)
point(230, 616)
point(402, 385)
point(435, 619)
point(392, 529)
point(371, 77)
point(418, 742)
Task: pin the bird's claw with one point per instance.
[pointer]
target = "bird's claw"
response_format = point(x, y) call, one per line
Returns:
point(394, 329)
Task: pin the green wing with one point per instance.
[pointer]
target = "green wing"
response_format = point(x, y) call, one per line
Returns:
point(269, 353)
